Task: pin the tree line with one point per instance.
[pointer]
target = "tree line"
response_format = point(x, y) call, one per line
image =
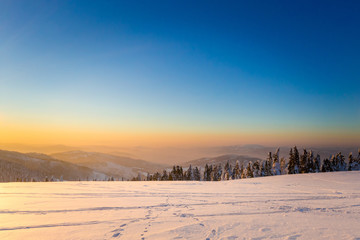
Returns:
point(305, 162)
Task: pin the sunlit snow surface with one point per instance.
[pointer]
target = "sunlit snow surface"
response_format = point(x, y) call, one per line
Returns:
point(306, 206)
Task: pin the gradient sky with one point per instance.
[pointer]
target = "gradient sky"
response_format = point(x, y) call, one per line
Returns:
point(180, 72)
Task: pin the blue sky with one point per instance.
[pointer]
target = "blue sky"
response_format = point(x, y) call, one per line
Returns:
point(186, 66)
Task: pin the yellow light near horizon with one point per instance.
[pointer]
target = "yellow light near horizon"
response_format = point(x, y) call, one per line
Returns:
point(32, 133)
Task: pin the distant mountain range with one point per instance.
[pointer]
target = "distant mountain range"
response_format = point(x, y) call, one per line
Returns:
point(110, 165)
point(72, 165)
point(15, 166)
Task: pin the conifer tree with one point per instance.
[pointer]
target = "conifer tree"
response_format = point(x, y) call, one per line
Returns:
point(219, 173)
point(256, 169)
point(269, 160)
point(296, 160)
point(351, 162)
point(282, 166)
point(310, 162)
point(227, 171)
point(249, 170)
point(276, 163)
point(326, 166)
point(196, 174)
point(334, 163)
point(303, 162)
point(263, 168)
point(189, 174)
point(291, 165)
point(236, 171)
point(317, 163)
point(242, 170)
point(165, 176)
point(206, 171)
point(341, 162)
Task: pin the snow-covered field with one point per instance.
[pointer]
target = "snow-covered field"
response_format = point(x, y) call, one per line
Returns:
point(306, 206)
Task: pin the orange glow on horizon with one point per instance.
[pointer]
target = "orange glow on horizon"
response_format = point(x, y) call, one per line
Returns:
point(76, 136)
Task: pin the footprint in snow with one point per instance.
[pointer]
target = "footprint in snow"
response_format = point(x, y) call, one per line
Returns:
point(115, 235)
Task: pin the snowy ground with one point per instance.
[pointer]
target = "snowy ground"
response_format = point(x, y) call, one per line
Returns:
point(308, 206)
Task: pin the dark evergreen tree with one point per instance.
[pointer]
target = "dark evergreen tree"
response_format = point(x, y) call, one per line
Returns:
point(296, 160)
point(326, 166)
point(197, 174)
point(303, 162)
point(269, 160)
point(189, 174)
point(207, 173)
point(351, 162)
point(291, 165)
point(310, 162)
point(317, 164)
point(165, 176)
point(227, 174)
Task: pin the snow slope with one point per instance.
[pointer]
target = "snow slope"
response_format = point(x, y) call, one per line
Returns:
point(304, 206)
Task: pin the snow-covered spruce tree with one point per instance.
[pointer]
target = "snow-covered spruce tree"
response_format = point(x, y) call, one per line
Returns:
point(227, 171)
point(256, 169)
point(157, 176)
point(269, 164)
point(334, 163)
point(310, 162)
point(189, 174)
point(282, 166)
point(291, 165)
point(236, 171)
point(268, 167)
point(338, 162)
point(326, 166)
point(341, 162)
point(263, 168)
point(276, 163)
point(249, 170)
point(317, 164)
point(208, 173)
point(303, 162)
point(206, 169)
point(242, 171)
point(219, 173)
point(173, 174)
point(216, 173)
point(197, 174)
point(351, 162)
point(296, 160)
point(180, 171)
point(164, 176)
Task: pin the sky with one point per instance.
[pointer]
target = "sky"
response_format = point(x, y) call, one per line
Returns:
point(171, 73)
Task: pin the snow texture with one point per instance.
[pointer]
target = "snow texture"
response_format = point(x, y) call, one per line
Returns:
point(303, 206)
